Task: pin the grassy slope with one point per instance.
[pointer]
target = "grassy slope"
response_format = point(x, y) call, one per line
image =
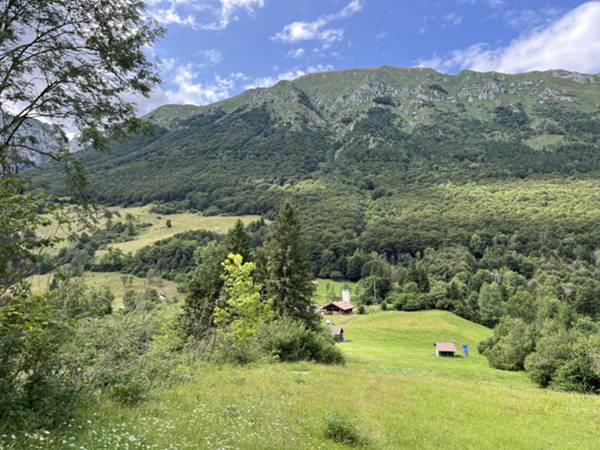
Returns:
point(179, 223)
point(399, 393)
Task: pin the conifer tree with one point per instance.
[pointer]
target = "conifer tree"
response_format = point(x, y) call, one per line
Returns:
point(238, 241)
point(289, 283)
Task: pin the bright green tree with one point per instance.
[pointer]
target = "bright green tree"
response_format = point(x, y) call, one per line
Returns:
point(240, 311)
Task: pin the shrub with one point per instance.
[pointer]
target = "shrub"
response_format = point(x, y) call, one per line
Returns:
point(290, 340)
point(340, 428)
point(36, 389)
point(510, 345)
point(74, 300)
point(361, 309)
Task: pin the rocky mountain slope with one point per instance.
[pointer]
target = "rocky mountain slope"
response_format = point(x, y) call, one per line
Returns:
point(369, 130)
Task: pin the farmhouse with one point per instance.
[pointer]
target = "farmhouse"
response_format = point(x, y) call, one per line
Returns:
point(338, 334)
point(338, 308)
point(445, 348)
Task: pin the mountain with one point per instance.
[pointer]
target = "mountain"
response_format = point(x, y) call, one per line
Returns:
point(357, 149)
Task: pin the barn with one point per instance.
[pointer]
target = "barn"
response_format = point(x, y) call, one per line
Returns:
point(338, 308)
point(337, 333)
point(445, 349)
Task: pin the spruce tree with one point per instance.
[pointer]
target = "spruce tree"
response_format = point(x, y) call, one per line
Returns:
point(289, 283)
point(238, 241)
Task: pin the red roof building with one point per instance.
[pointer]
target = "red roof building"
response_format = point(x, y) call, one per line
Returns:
point(338, 308)
point(445, 348)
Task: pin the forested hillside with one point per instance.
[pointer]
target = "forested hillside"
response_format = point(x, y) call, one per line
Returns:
point(390, 160)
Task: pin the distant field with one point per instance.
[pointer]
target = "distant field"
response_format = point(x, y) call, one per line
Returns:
point(158, 229)
point(179, 223)
point(40, 283)
point(397, 392)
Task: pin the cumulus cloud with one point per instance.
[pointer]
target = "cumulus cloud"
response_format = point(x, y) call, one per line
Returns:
point(186, 84)
point(287, 75)
point(297, 53)
point(571, 42)
point(201, 14)
point(317, 29)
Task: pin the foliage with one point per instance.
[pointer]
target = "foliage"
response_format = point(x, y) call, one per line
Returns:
point(240, 311)
point(36, 389)
point(289, 282)
point(104, 63)
point(372, 289)
point(204, 288)
point(290, 340)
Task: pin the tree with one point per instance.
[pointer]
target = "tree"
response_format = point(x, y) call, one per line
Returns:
point(70, 63)
point(204, 289)
point(419, 276)
point(240, 312)
point(238, 241)
point(289, 282)
point(490, 304)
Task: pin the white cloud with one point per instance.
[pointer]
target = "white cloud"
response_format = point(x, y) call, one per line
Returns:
point(204, 14)
point(452, 19)
point(297, 53)
point(229, 9)
point(572, 43)
point(184, 85)
point(288, 75)
point(316, 30)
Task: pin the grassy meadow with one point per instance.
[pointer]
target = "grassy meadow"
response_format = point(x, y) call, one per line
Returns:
point(179, 223)
point(393, 388)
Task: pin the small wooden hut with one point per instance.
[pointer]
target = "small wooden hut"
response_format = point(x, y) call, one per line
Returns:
point(337, 333)
point(338, 308)
point(447, 349)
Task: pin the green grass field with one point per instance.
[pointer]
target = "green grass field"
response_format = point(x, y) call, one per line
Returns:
point(179, 223)
point(157, 231)
point(113, 280)
point(393, 387)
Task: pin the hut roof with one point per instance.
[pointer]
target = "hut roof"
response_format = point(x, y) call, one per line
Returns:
point(341, 305)
point(446, 346)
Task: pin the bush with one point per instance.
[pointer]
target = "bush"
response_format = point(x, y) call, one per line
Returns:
point(409, 301)
point(340, 428)
point(125, 355)
point(510, 345)
point(36, 389)
point(290, 340)
point(361, 309)
point(74, 300)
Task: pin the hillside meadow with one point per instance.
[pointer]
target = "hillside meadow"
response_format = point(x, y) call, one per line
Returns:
point(392, 389)
point(180, 222)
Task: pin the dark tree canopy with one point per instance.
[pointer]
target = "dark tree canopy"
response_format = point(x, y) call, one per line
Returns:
point(289, 280)
point(238, 241)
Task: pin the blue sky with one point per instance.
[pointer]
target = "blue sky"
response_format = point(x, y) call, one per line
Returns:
point(217, 48)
